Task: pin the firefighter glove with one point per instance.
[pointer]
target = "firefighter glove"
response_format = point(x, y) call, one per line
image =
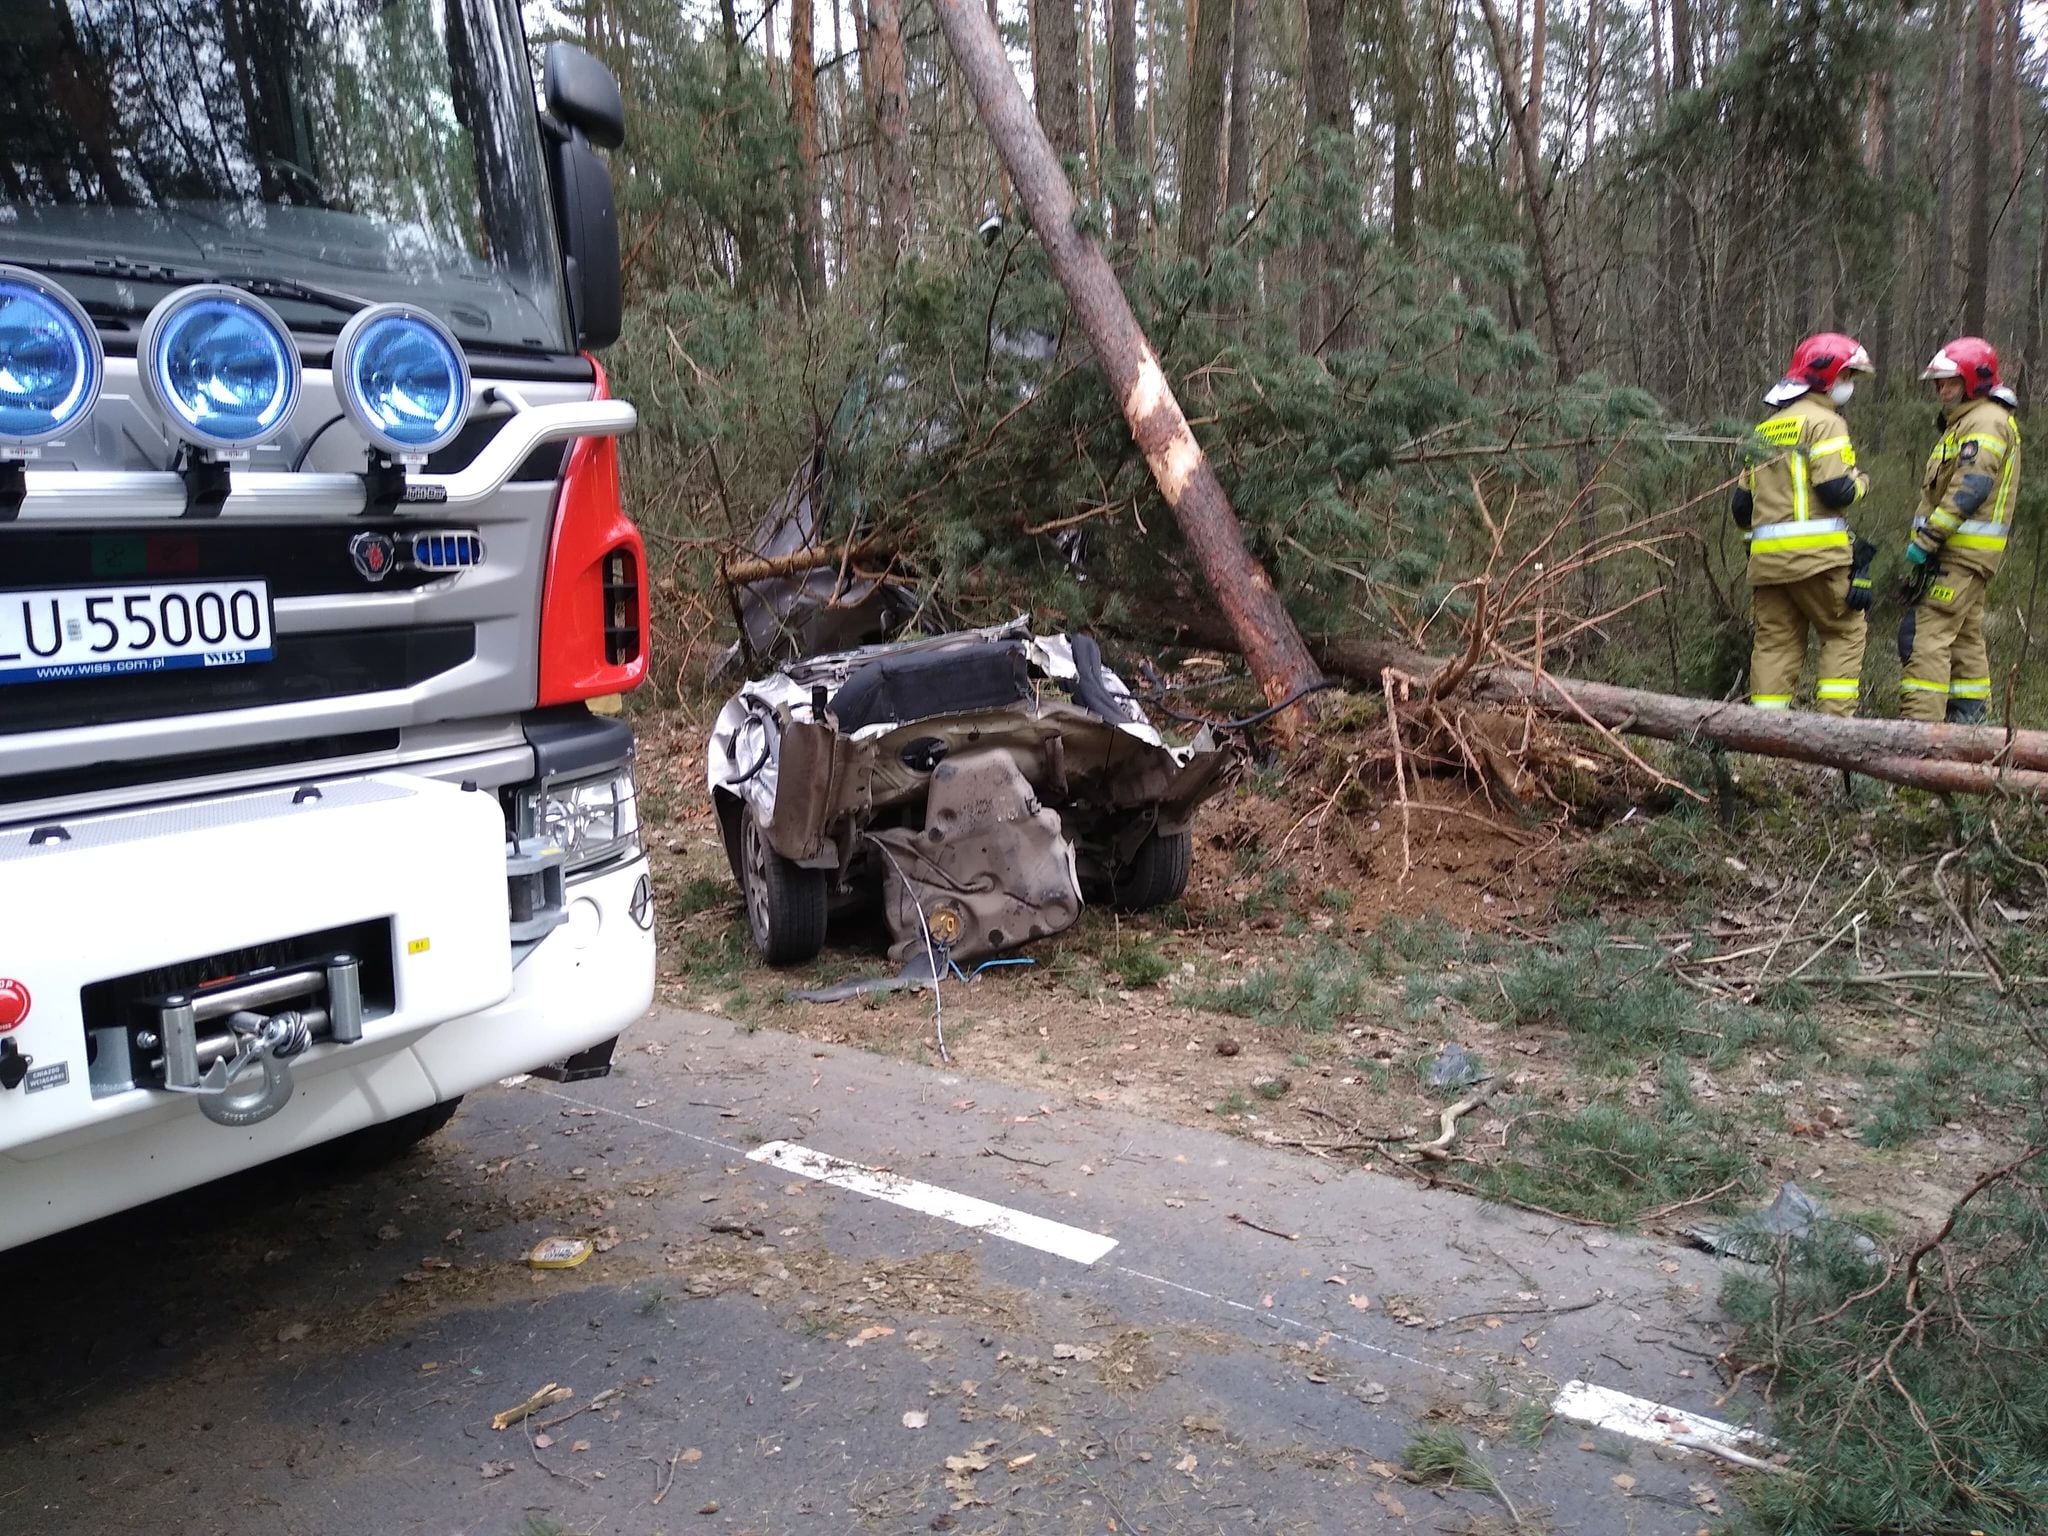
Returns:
point(1907, 626)
point(1859, 576)
point(1918, 574)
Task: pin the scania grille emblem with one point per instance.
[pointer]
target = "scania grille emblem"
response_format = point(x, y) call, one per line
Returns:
point(448, 549)
point(374, 555)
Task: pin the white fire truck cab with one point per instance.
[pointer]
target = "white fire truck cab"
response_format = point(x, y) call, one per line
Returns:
point(312, 568)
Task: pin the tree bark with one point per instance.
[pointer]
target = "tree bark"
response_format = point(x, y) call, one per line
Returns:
point(1055, 62)
point(2032, 363)
point(1964, 758)
point(1123, 117)
point(1563, 345)
point(1202, 134)
point(1977, 264)
point(1332, 158)
point(1401, 70)
point(1237, 174)
point(892, 123)
point(1258, 621)
point(1673, 281)
point(803, 116)
point(1089, 119)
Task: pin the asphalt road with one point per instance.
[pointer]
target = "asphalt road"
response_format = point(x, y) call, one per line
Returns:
point(1166, 1331)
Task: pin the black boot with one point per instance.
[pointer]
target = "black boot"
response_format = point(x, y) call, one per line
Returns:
point(1966, 711)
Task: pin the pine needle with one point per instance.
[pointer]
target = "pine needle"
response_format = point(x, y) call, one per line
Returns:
point(1443, 1453)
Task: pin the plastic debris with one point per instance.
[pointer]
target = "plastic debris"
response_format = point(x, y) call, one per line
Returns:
point(1453, 1067)
point(1792, 1215)
point(560, 1252)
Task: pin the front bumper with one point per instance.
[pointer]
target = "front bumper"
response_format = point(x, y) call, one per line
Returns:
point(460, 1012)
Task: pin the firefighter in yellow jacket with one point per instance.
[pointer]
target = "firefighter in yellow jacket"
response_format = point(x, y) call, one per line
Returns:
point(1800, 477)
point(1959, 537)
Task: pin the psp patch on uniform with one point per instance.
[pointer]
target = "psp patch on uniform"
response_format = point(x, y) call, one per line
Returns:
point(40, 1078)
point(1969, 452)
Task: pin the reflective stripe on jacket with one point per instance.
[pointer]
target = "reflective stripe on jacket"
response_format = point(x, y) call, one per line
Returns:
point(1792, 535)
point(1962, 518)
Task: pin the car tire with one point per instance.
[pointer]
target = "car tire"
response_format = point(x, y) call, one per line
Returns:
point(1156, 874)
point(373, 1146)
point(786, 903)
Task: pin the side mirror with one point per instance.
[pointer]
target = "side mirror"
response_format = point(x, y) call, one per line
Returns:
point(582, 93)
point(585, 108)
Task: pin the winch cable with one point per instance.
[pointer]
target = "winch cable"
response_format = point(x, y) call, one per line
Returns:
point(931, 954)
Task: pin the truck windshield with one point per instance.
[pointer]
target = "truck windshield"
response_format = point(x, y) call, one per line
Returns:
point(362, 149)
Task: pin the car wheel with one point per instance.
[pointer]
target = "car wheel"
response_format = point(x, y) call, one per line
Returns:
point(1156, 874)
point(786, 904)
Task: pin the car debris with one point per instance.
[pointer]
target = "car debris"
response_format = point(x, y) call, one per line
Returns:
point(1792, 1216)
point(974, 787)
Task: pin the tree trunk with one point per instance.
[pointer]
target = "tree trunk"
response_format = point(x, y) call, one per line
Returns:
point(1055, 62)
point(1945, 758)
point(892, 123)
point(1326, 318)
point(1401, 71)
point(1977, 265)
point(1673, 321)
point(803, 116)
point(1202, 134)
point(1258, 620)
point(1123, 117)
point(1244, 21)
point(1089, 120)
point(1563, 344)
point(2033, 366)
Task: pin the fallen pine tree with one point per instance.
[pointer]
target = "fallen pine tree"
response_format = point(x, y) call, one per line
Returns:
point(1947, 759)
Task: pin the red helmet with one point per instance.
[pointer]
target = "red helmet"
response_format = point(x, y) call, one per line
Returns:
point(1969, 358)
point(1820, 361)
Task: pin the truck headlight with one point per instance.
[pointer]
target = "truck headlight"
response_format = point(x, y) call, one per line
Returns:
point(595, 821)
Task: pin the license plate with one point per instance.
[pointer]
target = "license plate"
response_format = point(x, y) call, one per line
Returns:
point(63, 633)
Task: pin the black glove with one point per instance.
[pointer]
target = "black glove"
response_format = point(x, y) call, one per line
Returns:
point(1861, 554)
point(1913, 586)
point(1907, 626)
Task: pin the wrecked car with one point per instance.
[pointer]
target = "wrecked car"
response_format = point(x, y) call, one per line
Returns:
point(976, 787)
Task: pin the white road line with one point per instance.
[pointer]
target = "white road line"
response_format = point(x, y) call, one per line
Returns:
point(1052, 1237)
point(1641, 1419)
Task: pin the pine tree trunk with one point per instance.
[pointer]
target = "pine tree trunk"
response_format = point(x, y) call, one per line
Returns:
point(1977, 266)
point(1675, 279)
point(1201, 136)
point(1258, 620)
point(1123, 116)
point(2033, 366)
point(892, 124)
point(1327, 321)
point(1055, 62)
point(1237, 180)
point(1089, 121)
point(1401, 72)
point(1563, 345)
point(803, 114)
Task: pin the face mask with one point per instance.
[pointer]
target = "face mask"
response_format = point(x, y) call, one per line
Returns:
point(1843, 389)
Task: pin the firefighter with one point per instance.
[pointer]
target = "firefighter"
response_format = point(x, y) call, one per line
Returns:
point(1805, 571)
point(1959, 536)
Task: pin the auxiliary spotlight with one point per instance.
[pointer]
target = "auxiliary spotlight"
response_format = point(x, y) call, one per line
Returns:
point(220, 367)
point(50, 362)
point(402, 379)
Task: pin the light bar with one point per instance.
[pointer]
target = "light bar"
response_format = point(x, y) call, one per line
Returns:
point(402, 379)
point(50, 360)
point(219, 366)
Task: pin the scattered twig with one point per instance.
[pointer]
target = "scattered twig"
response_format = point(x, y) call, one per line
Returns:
point(533, 1447)
point(1729, 1454)
point(668, 1481)
point(1678, 1205)
point(1011, 1157)
point(1439, 1149)
point(1246, 1221)
point(1466, 1317)
point(1400, 770)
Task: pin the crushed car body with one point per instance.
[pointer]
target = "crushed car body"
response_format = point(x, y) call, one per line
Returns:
point(975, 787)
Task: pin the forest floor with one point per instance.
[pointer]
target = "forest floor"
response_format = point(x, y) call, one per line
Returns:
point(1679, 1013)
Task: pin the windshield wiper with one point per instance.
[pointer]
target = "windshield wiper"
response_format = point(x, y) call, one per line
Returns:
point(263, 285)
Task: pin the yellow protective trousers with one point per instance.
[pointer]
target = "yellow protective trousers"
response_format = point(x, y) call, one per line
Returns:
point(1949, 659)
point(1785, 613)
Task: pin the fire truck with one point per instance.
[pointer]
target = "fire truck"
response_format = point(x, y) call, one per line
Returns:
point(317, 598)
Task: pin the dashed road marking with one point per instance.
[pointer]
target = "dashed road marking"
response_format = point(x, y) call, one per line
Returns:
point(1054, 1237)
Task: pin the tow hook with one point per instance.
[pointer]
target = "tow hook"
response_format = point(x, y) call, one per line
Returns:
point(13, 1064)
point(264, 1044)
